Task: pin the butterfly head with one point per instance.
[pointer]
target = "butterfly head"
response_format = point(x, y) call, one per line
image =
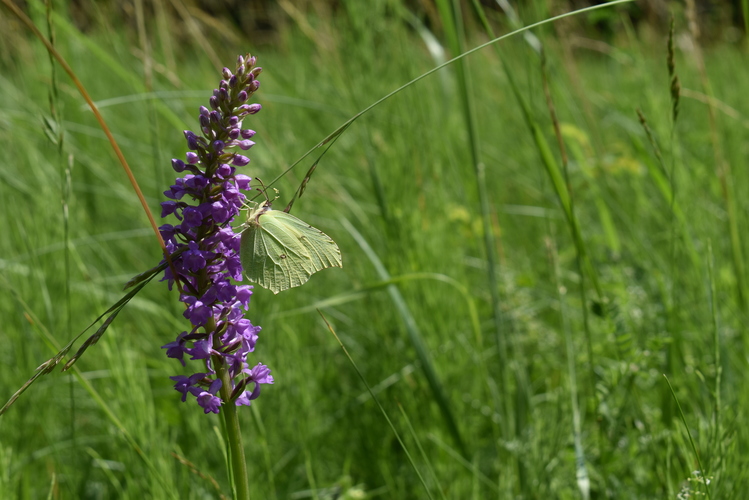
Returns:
point(254, 213)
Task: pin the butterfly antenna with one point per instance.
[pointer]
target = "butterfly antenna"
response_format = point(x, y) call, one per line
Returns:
point(264, 191)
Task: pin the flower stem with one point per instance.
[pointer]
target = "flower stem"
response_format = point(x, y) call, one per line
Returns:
point(233, 434)
point(238, 472)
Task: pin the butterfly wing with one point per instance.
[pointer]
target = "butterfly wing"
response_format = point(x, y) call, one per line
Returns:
point(279, 251)
point(323, 251)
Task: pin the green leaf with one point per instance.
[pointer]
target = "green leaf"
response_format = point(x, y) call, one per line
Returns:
point(280, 251)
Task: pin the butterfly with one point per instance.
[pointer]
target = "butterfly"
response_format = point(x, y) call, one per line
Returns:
point(279, 251)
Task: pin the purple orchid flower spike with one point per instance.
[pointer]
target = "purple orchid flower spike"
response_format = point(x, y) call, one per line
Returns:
point(205, 201)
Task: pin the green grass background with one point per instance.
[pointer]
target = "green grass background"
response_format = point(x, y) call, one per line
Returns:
point(400, 194)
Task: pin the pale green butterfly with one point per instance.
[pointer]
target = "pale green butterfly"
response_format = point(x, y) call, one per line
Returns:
point(279, 251)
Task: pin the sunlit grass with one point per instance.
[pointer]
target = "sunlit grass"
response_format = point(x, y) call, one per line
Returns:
point(404, 178)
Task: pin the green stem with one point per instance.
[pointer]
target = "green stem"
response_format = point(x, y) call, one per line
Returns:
point(238, 465)
point(233, 436)
point(702, 471)
point(451, 16)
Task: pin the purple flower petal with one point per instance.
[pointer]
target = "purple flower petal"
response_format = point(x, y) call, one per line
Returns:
point(209, 402)
point(176, 349)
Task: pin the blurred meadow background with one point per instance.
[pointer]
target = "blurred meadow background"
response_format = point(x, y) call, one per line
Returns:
point(532, 239)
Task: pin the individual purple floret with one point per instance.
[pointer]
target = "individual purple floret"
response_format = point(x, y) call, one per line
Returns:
point(205, 202)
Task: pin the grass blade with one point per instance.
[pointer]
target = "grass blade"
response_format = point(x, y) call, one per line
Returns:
point(703, 472)
point(377, 401)
point(415, 336)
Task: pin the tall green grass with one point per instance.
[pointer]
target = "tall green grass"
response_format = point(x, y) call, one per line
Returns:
point(401, 192)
